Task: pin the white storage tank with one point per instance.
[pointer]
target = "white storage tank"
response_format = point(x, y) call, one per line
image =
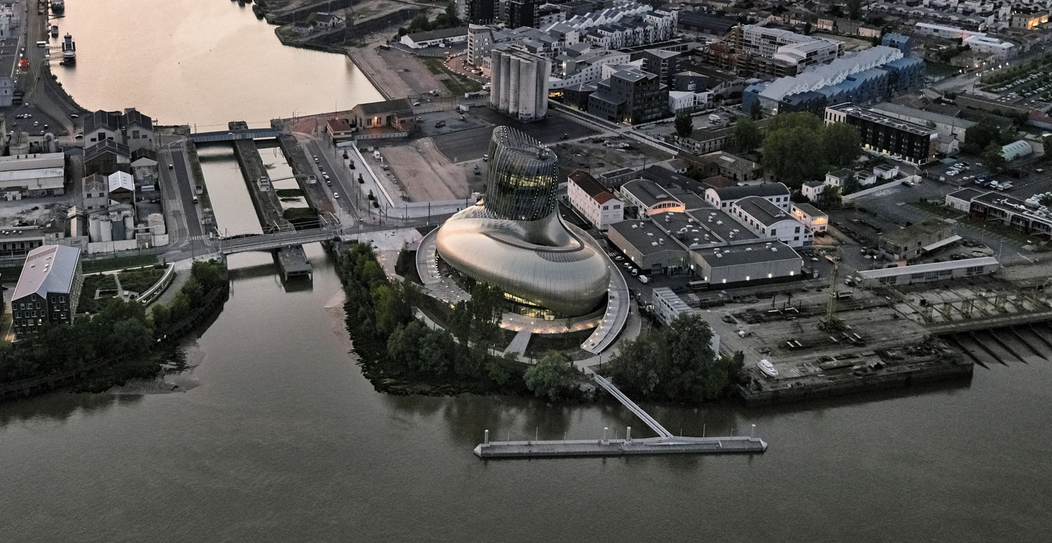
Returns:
point(105, 230)
point(129, 227)
point(94, 229)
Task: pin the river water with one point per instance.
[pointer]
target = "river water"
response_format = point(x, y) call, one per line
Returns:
point(199, 62)
point(284, 440)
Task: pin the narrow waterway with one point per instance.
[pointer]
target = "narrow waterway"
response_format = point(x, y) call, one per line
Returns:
point(199, 62)
point(227, 190)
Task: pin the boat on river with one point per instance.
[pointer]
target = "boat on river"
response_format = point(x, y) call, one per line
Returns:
point(69, 50)
point(58, 6)
point(767, 368)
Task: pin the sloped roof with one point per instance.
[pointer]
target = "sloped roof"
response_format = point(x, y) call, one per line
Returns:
point(763, 190)
point(400, 105)
point(109, 120)
point(590, 186)
point(49, 268)
point(120, 180)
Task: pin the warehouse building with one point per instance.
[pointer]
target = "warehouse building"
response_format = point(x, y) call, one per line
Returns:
point(740, 265)
point(926, 273)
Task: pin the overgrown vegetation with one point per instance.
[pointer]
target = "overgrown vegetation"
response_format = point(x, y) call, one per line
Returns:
point(92, 284)
point(675, 364)
point(117, 343)
point(118, 263)
point(400, 354)
point(141, 279)
point(798, 147)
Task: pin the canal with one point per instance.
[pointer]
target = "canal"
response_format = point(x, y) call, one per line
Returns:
point(227, 190)
point(282, 439)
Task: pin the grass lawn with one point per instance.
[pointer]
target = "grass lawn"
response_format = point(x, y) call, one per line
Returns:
point(140, 280)
point(119, 263)
point(88, 303)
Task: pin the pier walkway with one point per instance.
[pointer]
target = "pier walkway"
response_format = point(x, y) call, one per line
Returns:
point(620, 447)
point(638, 411)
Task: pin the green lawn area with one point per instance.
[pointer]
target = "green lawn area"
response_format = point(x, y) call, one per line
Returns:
point(92, 283)
point(119, 263)
point(457, 84)
point(141, 279)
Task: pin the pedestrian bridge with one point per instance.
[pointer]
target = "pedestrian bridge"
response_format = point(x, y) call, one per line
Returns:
point(234, 135)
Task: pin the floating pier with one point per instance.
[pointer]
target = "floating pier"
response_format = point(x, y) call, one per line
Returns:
point(665, 443)
point(293, 262)
point(621, 447)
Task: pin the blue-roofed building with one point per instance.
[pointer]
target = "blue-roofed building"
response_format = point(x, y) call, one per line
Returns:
point(870, 76)
point(898, 41)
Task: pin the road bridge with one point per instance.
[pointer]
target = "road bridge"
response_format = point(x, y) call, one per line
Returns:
point(277, 240)
point(234, 135)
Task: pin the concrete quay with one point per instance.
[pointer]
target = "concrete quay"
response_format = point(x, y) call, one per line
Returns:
point(621, 447)
point(267, 203)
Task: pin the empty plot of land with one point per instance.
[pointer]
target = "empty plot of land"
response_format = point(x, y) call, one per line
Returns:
point(465, 145)
point(425, 174)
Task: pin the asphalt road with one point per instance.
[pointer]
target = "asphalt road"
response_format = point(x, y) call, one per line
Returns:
point(341, 180)
point(184, 189)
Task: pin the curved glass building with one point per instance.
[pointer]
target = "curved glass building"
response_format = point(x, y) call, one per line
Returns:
point(514, 238)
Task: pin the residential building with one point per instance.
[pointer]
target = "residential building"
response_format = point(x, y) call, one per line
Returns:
point(48, 288)
point(944, 125)
point(770, 222)
point(518, 13)
point(105, 157)
point(870, 75)
point(699, 22)
point(688, 101)
point(570, 71)
point(912, 241)
point(144, 167)
point(322, 21)
point(519, 87)
point(1028, 18)
point(479, 12)
point(758, 50)
point(898, 41)
point(887, 135)
point(130, 128)
point(630, 96)
point(95, 194)
point(724, 197)
point(662, 63)
point(810, 216)
point(812, 190)
point(593, 201)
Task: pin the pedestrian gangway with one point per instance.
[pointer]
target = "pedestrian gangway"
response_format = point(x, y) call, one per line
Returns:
point(638, 411)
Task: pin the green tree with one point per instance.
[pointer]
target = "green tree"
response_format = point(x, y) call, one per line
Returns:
point(979, 136)
point(552, 377)
point(830, 198)
point(674, 364)
point(794, 120)
point(420, 23)
point(793, 155)
point(755, 110)
point(684, 126)
point(992, 157)
point(747, 136)
point(841, 144)
point(854, 9)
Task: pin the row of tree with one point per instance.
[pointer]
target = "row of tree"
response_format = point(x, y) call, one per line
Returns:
point(798, 147)
point(396, 348)
point(675, 364)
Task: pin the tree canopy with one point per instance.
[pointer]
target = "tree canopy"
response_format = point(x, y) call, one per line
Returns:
point(747, 136)
point(979, 136)
point(553, 377)
point(684, 126)
point(798, 147)
point(675, 364)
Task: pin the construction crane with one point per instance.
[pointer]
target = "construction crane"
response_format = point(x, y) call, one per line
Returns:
point(831, 323)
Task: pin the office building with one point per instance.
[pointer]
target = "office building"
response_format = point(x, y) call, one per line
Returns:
point(48, 288)
point(630, 96)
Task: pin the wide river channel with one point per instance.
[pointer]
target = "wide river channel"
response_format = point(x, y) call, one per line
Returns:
point(284, 440)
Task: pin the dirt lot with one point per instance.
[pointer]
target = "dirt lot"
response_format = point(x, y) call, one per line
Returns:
point(425, 174)
point(395, 73)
